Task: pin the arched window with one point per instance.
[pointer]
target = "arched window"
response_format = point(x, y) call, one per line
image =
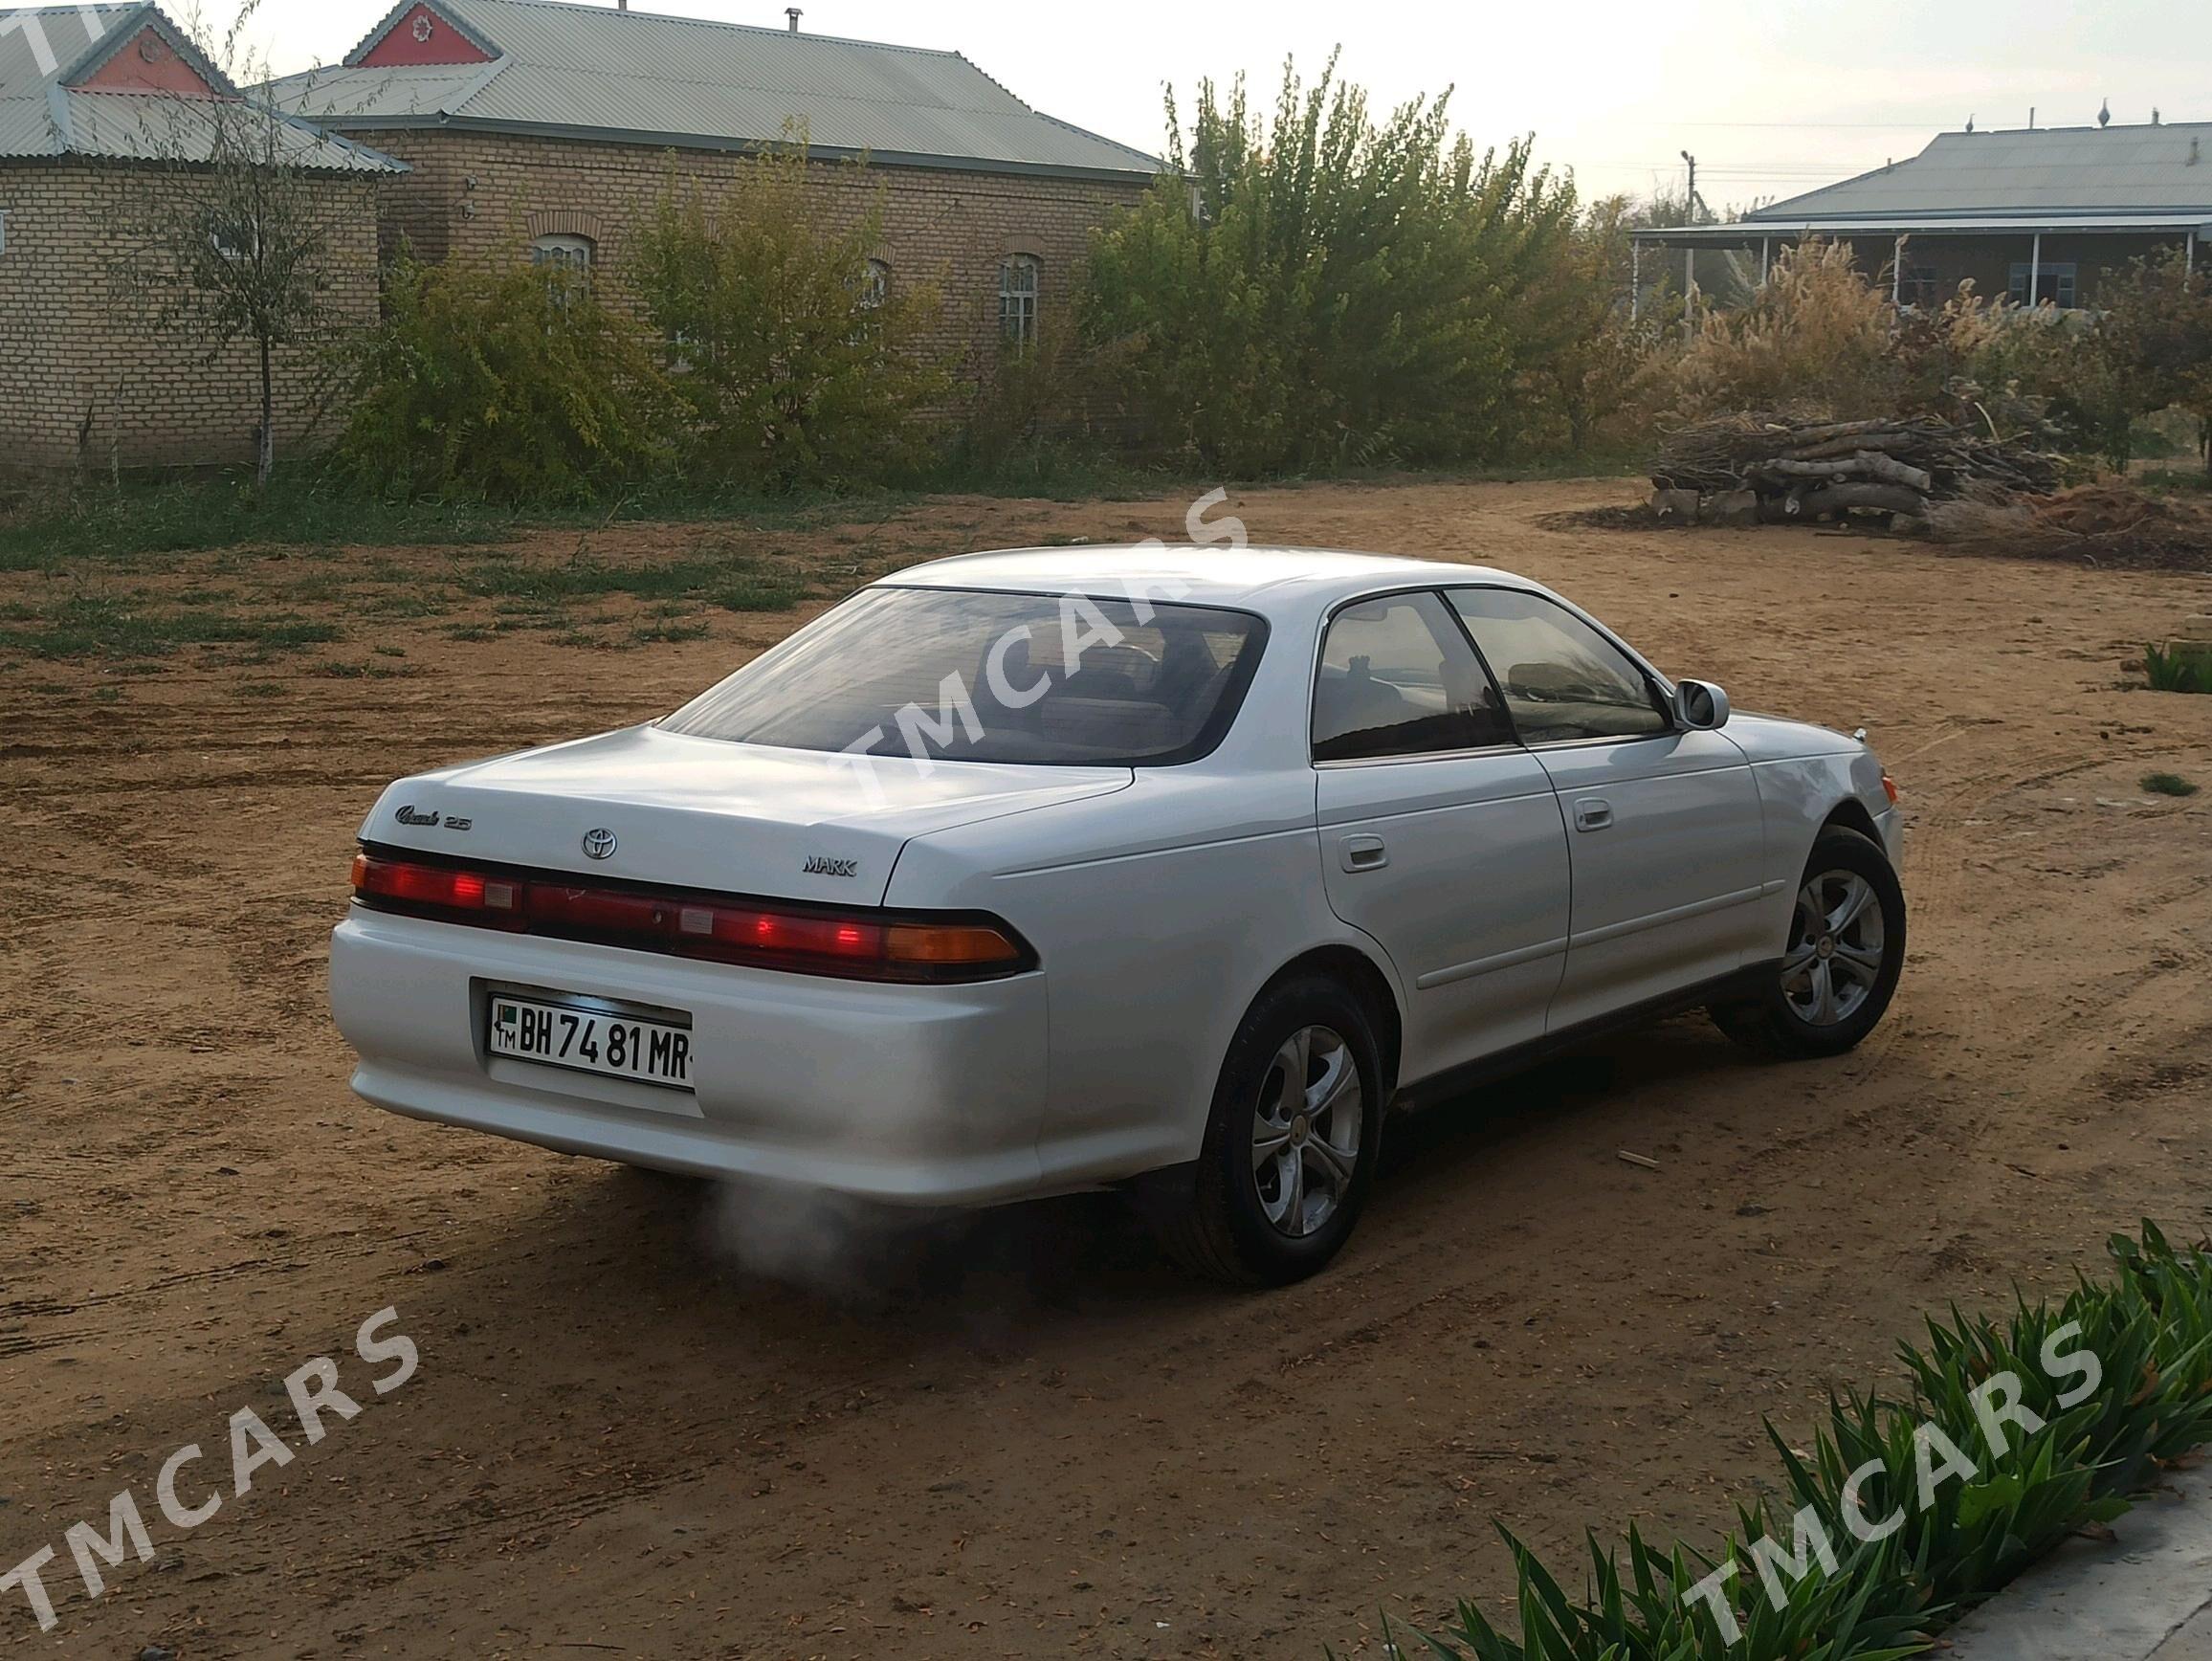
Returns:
point(875, 284)
point(563, 249)
point(1018, 301)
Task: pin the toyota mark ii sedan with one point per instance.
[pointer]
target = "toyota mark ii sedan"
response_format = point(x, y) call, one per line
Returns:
point(1167, 870)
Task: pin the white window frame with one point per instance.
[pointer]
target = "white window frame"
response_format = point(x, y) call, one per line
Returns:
point(567, 249)
point(875, 284)
point(225, 241)
point(1021, 282)
point(2063, 274)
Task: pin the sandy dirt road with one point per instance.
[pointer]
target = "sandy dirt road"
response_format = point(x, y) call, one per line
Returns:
point(1021, 1434)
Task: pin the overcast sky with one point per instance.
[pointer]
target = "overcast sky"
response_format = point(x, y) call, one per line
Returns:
point(1773, 98)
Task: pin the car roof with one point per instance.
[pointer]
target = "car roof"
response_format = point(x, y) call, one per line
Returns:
point(1268, 579)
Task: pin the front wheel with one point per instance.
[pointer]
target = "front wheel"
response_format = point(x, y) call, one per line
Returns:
point(1840, 965)
point(1289, 1146)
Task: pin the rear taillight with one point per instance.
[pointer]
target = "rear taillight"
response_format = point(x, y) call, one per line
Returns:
point(439, 888)
point(859, 946)
point(1890, 788)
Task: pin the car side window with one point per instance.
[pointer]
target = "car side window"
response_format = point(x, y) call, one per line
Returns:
point(1397, 678)
point(1562, 679)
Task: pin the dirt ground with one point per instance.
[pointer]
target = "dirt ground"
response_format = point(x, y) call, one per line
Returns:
point(1021, 1434)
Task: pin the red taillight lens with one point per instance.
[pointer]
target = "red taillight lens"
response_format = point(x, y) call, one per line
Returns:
point(1890, 788)
point(438, 888)
point(811, 943)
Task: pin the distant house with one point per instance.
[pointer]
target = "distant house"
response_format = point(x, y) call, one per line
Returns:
point(550, 129)
point(91, 98)
point(2033, 213)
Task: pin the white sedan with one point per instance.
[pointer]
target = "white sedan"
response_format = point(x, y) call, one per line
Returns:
point(1164, 868)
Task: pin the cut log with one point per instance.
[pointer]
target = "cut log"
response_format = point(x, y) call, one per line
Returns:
point(1893, 443)
point(1843, 498)
point(1866, 464)
point(1731, 507)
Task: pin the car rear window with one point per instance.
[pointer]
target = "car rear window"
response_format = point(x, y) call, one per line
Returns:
point(962, 674)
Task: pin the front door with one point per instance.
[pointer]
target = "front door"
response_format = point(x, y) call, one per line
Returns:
point(1441, 837)
point(1665, 833)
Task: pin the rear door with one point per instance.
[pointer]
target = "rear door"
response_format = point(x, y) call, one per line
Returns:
point(1441, 836)
point(1665, 833)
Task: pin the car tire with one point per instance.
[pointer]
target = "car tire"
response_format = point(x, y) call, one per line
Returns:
point(1834, 983)
point(1273, 1196)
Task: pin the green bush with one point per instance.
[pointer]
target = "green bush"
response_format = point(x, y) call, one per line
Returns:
point(1324, 290)
point(2150, 1329)
point(794, 367)
point(506, 381)
point(2185, 667)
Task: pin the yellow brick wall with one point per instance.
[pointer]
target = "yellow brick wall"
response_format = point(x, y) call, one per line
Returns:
point(474, 193)
point(84, 381)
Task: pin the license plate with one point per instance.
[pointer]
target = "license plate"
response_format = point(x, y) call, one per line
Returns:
point(589, 1037)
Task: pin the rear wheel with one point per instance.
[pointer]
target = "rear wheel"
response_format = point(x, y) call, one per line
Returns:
point(1289, 1146)
point(1840, 965)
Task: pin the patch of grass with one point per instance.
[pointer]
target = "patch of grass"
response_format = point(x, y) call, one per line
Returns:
point(127, 626)
point(142, 521)
point(2181, 669)
point(733, 585)
point(259, 689)
point(389, 651)
point(2167, 785)
point(2069, 1449)
point(338, 669)
point(654, 634)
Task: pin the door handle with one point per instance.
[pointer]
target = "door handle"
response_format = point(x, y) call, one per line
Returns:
point(1362, 853)
point(1592, 814)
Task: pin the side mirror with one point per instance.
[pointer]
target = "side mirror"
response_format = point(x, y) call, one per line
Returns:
point(1700, 705)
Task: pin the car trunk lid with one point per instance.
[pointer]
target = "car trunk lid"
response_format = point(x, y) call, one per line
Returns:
point(704, 814)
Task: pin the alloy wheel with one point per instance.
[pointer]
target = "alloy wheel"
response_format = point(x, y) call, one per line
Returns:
point(1836, 948)
point(1306, 1128)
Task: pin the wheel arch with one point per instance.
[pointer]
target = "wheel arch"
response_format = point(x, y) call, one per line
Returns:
point(1350, 966)
point(1852, 814)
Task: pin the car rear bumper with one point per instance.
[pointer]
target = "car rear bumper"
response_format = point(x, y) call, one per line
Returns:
point(918, 1094)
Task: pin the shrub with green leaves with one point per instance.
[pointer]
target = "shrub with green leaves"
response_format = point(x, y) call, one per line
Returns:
point(505, 381)
point(2007, 1443)
point(1325, 289)
point(799, 361)
point(2184, 667)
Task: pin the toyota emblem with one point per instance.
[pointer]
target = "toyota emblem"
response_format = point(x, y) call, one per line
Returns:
point(598, 844)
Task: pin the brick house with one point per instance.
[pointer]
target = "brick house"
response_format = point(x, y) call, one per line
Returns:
point(95, 101)
point(548, 130)
point(2035, 213)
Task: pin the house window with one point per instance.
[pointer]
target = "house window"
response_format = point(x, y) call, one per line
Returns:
point(573, 252)
point(875, 284)
point(234, 238)
point(1018, 301)
point(2054, 281)
point(1918, 285)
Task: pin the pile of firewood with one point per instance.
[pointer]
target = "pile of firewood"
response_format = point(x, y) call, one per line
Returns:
point(1744, 469)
